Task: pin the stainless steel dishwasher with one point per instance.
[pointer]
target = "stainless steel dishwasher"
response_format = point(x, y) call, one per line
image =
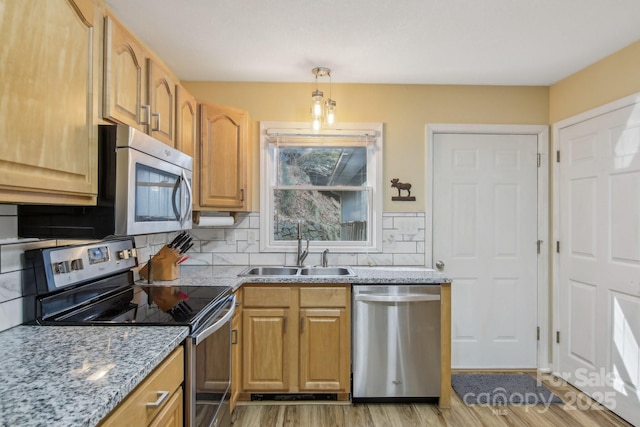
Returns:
point(396, 343)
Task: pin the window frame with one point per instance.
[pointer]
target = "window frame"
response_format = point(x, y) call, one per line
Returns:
point(344, 134)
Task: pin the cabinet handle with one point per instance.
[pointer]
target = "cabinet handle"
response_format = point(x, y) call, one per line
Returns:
point(234, 336)
point(146, 108)
point(301, 324)
point(162, 396)
point(242, 194)
point(157, 128)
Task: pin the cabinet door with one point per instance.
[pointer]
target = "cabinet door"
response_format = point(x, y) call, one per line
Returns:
point(223, 158)
point(186, 122)
point(171, 415)
point(48, 151)
point(162, 102)
point(324, 350)
point(265, 348)
point(236, 351)
point(124, 77)
point(187, 134)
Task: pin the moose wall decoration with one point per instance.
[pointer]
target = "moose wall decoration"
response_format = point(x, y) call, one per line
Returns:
point(395, 183)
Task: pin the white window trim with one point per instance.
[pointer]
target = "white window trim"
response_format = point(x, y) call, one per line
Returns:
point(374, 177)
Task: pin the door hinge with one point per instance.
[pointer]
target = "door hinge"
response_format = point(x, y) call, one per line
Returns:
point(558, 156)
point(538, 333)
point(558, 246)
point(539, 159)
point(538, 244)
point(558, 337)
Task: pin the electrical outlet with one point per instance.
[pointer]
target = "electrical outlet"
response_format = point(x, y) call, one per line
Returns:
point(230, 237)
point(251, 237)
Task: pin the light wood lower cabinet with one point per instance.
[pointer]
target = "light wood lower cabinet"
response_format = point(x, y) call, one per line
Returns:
point(296, 339)
point(162, 389)
point(236, 351)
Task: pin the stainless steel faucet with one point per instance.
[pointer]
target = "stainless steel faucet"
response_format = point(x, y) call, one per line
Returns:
point(301, 255)
point(325, 257)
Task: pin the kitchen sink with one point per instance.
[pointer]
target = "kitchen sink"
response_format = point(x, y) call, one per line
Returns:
point(297, 271)
point(270, 271)
point(326, 271)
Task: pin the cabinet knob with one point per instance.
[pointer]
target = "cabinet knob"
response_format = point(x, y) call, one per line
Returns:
point(439, 265)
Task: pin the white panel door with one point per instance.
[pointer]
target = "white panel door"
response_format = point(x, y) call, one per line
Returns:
point(485, 233)
point(599, 260)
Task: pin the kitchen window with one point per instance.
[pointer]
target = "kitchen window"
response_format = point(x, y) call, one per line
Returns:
point(329, 181)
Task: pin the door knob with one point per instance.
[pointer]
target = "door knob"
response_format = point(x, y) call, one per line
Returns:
point(439, 265)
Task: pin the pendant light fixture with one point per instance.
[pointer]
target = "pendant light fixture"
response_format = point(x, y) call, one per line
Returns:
point(322, 111)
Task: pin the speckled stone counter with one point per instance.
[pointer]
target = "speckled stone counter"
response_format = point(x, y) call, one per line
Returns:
point(228, 276)
point(74, 376)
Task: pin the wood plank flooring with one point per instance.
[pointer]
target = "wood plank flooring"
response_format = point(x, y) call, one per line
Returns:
point(578, 410)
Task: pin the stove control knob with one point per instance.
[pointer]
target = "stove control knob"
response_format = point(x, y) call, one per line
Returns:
point(61, 267)
point(76, 264)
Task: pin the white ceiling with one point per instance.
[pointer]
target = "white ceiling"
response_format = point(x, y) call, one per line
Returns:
point(488, 42)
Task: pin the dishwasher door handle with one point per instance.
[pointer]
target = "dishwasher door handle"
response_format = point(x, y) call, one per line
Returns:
point(396, 298)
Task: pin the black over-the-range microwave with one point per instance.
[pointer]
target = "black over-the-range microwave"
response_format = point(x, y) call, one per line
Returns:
point(144, 187)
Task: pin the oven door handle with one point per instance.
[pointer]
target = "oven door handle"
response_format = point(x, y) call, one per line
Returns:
point(209, 330)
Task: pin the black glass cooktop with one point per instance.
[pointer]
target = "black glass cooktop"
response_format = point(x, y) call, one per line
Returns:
point(117, 301)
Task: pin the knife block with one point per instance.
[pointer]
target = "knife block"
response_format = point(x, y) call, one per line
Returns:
point(164, 265)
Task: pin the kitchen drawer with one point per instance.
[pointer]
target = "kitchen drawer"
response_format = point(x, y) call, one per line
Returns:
point(133, 410)
point(323, 297)
point(267, 296)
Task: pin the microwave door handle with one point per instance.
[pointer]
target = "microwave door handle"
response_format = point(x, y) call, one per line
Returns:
point(176, 209)
point(188, 200)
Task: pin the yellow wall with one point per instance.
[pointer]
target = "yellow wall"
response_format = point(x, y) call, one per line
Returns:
point(611, 78)
point(404, 109)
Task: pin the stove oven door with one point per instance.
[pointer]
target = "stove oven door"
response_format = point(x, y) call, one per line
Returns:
point(208, 371)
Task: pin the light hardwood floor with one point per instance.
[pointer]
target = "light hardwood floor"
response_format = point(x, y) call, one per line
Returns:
point(578, 410)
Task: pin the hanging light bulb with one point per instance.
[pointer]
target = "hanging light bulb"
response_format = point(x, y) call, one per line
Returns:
point(330, 109)
point(316, 104)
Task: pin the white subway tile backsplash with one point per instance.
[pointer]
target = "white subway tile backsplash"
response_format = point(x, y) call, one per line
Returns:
point(267, 259)
point(10, 286)
point(10, 313)
point(8, 227)
point(196, 258)
point(12, 255)
point(403, 244)
point(8, 209)
point(230, 259)
point(408, 259)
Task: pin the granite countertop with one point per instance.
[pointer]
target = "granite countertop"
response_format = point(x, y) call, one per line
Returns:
point(75, 375)
point(228, 276)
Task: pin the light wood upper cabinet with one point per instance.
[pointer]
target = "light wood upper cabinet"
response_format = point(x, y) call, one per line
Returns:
point(49, 140)
point(187, 132)
point(223, 160)
point(162, 102)
point(125, 73)
point(186, 122)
